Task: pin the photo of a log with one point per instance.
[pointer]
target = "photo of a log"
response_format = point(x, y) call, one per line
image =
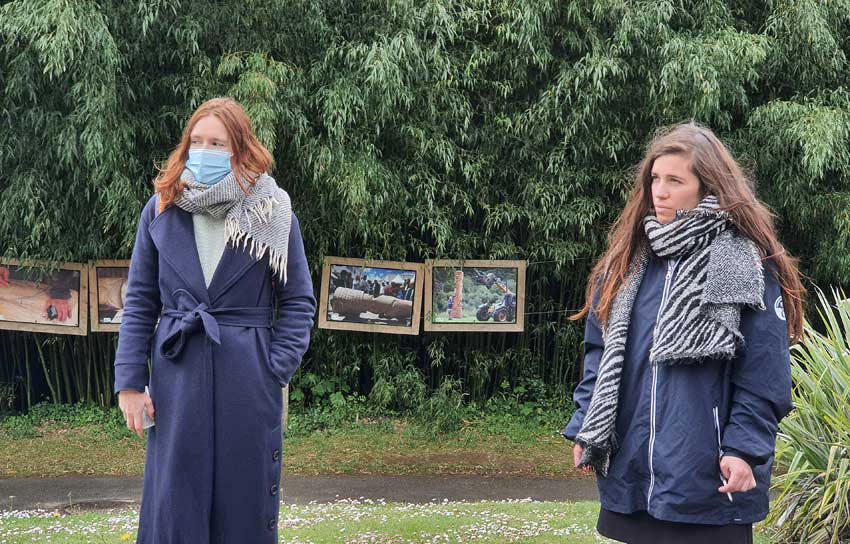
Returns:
point(352, 302)
point(370, 295)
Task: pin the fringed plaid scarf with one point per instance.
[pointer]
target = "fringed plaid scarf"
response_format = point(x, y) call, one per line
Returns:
point(259, 221)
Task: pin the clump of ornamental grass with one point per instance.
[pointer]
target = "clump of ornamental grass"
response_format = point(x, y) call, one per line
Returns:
point(813, 447)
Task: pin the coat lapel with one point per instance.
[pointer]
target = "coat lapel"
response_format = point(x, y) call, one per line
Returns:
point(234, 263)
point(173, 233)
point(174, 236)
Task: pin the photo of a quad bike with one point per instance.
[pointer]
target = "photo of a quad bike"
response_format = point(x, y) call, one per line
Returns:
point(501, 312)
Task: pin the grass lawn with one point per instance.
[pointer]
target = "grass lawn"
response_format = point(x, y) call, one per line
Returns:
point(351, 521)
point(385, 446)
point(68, 440)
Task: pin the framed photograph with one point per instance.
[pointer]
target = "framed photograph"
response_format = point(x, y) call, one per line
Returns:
point(371, 296)
point(107, 291)
point(477, 296)
point(35, 300)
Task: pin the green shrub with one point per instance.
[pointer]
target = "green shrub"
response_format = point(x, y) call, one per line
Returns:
point(520, 412)
point(339, 412)
point(444, 411)
point(7, 397)
point(813, 448)
point(64, 416)
point(17, 427)
point(406, 131)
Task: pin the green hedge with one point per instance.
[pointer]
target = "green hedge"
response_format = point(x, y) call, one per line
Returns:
point(410, 130)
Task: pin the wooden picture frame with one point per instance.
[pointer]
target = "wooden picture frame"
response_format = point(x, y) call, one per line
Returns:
point(107, 294)
point(328, 319)
point(504, 314)
point(21, 307)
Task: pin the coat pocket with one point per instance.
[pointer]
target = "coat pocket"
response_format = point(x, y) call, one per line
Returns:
point(266, 355)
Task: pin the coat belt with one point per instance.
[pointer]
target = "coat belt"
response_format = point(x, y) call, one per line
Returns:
point(195, 316)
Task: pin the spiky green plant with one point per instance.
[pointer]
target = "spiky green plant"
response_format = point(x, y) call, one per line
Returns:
point(813, 450)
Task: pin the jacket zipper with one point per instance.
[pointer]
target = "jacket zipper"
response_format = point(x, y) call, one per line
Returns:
point(716, 412)
point(671, 267)
point(717, 430)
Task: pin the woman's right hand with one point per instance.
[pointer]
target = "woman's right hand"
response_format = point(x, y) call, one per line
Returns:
point(577, 451)
point(132, 403)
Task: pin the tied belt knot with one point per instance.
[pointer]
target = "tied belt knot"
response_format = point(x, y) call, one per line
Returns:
point(197, 316)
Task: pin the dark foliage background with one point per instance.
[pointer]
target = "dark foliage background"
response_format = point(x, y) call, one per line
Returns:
point(410, 130)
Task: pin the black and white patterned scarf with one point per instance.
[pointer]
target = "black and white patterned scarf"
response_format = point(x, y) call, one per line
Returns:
point(719, 271)
point(262, 218)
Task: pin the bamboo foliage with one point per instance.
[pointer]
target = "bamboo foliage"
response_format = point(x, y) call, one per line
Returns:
point(413, 130)
point(57, 368)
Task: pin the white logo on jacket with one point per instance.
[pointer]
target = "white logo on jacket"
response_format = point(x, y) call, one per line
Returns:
point(779, 307)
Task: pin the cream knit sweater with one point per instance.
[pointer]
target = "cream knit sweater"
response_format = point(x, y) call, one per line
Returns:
point(209, 237)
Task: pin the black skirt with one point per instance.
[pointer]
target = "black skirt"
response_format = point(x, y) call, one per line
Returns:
point(641, 528)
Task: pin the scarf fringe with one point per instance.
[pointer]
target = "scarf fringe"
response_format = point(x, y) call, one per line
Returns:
point(693, 359)
point(597, 456)
point(277, 259)
point(262, 211)
point(702, 213)
point(267, 212)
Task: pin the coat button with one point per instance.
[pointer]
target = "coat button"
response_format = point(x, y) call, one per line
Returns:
point(274, 489)
point(272, 523)
point(276, 455)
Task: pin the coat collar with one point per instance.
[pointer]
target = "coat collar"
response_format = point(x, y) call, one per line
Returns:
point(173, 233)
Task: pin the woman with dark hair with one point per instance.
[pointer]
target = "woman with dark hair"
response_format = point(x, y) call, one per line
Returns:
point(686, 369)
point(216, 248)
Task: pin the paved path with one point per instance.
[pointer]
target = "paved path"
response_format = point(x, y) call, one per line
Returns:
point(100, 492)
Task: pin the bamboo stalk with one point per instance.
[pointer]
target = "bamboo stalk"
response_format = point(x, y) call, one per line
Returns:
point(64, 364)
point(96, 362)
point(28, 372)
point(53, 394)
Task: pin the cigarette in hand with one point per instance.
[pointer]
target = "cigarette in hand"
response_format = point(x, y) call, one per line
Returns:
point(722, 479)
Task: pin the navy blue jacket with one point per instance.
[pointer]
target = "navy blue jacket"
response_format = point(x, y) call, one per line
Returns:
point(217, 364)
point(688, 416)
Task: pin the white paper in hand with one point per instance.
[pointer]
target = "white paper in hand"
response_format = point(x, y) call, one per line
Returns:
point(147, 422)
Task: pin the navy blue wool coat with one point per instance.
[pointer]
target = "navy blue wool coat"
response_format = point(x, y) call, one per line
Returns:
point(218, 362)
point(675, 422)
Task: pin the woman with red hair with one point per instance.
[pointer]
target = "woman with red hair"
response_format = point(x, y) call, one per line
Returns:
point(217, 247)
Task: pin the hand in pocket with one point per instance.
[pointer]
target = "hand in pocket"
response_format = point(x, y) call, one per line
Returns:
point(738, 474)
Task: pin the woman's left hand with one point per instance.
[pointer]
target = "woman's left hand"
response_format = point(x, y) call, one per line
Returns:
point(738, 474)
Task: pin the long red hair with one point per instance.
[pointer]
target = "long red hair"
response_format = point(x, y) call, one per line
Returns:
point(250, 158)
point(719, 175)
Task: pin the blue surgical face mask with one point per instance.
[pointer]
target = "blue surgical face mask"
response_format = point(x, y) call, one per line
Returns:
point(208, 166)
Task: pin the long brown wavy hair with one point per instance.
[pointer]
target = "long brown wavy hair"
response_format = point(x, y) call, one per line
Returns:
point(250, 158)
point(720, 175)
